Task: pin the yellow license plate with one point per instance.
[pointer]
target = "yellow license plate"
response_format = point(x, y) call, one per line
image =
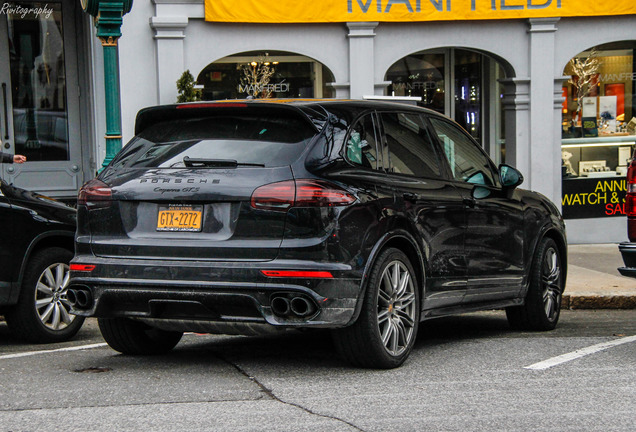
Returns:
point(179, 218)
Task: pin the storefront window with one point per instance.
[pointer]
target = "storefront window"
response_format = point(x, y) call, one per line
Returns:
point(468, 77)
point(422, 75)
point(274, 74)
point(460, 83)
point(598, 130)
point(600, 93)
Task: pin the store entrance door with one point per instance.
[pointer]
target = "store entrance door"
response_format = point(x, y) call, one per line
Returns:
point(39, 97)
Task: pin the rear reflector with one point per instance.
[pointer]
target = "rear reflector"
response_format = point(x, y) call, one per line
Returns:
point(300, 193)
point(82, 267)
point(297, 274)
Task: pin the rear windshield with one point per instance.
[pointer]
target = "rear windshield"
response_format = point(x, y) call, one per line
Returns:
point(258, 139)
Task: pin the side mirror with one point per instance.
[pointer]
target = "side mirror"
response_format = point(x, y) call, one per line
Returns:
point(509, 176)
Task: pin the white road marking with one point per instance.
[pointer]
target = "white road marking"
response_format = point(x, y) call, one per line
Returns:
point(32, 353)
point(554, 361)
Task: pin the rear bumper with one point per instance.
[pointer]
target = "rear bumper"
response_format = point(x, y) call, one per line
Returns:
point(191, 296)
point(628, 251)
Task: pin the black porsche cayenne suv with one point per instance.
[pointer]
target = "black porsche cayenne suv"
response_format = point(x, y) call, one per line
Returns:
point(243, 217)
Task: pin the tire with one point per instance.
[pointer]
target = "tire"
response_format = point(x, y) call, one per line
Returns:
point(136, 338)
point(384, 334)
point(42, 312)
point(542, 306)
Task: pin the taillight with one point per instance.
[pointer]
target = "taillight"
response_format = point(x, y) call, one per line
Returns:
point(316, 193)
point(95, 194)
point(630, 201)
point(300, 193)
point(274, 196)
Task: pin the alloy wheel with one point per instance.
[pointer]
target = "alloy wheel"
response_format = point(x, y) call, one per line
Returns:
point(551, 281)
point(51, 303)
point(396, 308)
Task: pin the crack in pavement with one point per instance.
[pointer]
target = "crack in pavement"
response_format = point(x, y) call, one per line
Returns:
point(271, 394)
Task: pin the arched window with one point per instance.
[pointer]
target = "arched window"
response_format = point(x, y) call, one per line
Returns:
point(461, 83)
point(598, 130)
point(600, 93)
point(276, 74)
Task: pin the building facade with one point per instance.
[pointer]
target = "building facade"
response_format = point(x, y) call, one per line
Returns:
point(508, 82)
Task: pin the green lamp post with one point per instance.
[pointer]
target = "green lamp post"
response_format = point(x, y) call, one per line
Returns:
point(108, 16)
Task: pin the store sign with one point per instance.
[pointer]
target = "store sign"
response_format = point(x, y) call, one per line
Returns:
point(593, 198)
point(281, 87)
point(617, 77)
point(416, 85)
point(322, 11)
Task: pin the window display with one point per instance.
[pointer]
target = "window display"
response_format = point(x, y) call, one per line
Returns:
point(599, 130)
point(463, 84)
point(272, 74)
point(600, 93)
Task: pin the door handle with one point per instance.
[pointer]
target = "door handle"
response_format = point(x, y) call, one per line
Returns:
point(469, 202)
point(409, 196)
point(6, 112)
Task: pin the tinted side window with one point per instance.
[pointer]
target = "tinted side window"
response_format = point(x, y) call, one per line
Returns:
point(468, 163)
point(411, 149)
point(362, 147)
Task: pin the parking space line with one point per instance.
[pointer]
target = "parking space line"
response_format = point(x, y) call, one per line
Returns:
point(32, 353)
point(554, 361)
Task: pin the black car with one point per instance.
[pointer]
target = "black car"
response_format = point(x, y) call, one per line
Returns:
point(628, 249)
point(36, 247)
point(244, 217)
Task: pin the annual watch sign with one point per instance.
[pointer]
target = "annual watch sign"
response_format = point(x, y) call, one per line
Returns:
point(592, 198)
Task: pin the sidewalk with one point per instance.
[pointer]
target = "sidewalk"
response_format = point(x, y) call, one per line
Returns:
point(593, 281)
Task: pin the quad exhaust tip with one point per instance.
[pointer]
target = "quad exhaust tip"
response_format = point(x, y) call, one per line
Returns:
point(80, 298)
point(281, 306)
point(285, 305)
point(301, 306)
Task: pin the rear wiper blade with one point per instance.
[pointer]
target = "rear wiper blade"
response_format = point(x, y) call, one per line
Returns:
point(215, 163)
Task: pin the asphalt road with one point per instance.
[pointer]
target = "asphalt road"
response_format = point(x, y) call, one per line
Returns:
point(466, 373)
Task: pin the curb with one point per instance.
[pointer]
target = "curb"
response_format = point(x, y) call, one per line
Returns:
point(598, 301)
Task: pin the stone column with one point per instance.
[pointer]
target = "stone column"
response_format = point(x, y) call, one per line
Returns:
point(169, 36)
point(557, 112)
point(516, 104)
point(342, 90)
point(545, 148)
point(361, 59)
